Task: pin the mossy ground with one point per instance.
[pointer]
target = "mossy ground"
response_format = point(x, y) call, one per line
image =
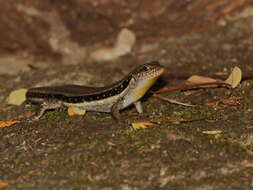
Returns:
point(94, 152)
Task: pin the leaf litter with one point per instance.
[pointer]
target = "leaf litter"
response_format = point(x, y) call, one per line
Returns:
point(75, 111)
point(198, 82)
point(8, 123)
point(17, 97)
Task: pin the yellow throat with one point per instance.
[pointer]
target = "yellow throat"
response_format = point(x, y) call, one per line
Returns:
point(144, 87)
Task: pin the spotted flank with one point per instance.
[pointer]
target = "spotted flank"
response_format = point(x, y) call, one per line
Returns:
point(83, 96)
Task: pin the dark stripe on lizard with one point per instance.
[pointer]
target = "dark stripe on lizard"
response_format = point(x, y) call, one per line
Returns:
point(80, 99)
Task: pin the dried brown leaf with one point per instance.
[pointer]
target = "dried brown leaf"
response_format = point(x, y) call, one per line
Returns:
point(141, 124)
point(249, 165)
point(3, 185)
point(196, 79)
point(230, 101)
point(227, 101)
point(213, 104)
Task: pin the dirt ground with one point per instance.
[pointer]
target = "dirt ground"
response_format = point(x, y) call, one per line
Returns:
point(94, 152)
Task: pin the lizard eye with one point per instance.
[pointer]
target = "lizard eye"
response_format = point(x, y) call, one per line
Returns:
point(144, 68)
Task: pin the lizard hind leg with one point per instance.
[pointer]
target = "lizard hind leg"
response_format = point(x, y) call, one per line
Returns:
point(115, 112)
point(43, 108)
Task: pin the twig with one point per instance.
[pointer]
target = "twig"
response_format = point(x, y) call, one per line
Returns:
point(192, 86)
point(173, 101)
point(175, 76)
point(157, 121)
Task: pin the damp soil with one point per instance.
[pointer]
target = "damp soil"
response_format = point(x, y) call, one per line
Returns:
point(95, 152)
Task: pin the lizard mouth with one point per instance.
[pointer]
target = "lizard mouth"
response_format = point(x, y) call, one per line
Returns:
point(157, 73)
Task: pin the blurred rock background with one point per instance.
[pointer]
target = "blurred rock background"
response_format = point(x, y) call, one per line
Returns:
point(38, 33)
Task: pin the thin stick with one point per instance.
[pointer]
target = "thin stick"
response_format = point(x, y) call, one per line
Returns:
point(173, 101)
point(157, 121)
point(191, 86)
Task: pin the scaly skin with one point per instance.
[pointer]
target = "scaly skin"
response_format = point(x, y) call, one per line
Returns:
point(112, 98)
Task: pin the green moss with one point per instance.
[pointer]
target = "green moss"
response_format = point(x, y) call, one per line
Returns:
point(54, 115)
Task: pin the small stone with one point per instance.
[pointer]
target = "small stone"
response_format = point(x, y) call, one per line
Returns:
point(124, 44)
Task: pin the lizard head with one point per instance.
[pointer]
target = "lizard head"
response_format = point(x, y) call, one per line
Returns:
point(145, 76)
point(147, 71)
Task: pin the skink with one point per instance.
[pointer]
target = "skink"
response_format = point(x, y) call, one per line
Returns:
point(112, 98)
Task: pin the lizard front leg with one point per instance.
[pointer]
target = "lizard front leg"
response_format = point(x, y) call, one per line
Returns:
point(138, 106)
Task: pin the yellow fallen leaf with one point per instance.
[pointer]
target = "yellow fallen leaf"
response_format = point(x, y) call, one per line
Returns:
point(110, 143)
point(141, 124)
point(75, 111)
point(8, 123)
point(93, 164)
point(17, 97)
point(215, 132)
point(90, 178)
point(235, 77)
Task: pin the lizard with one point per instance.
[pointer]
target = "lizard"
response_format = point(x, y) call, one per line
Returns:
point(111, 98)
